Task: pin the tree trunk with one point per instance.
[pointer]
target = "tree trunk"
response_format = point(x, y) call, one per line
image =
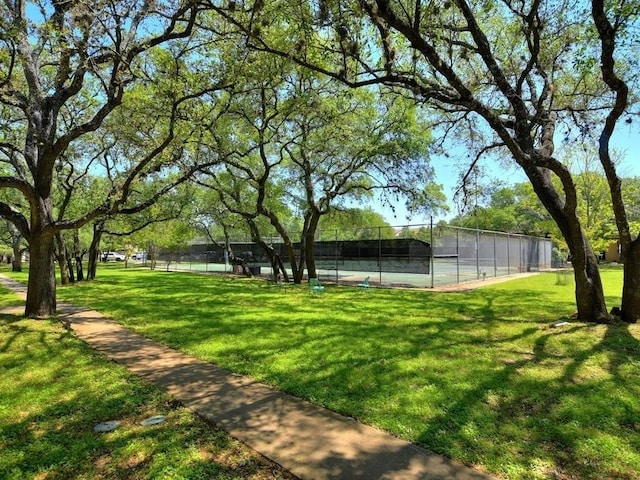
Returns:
point(296, 270)
point(92, 266)
point(309, 253)
point(16, 264)
point(41, 289)
point(630, 308)
point(153, 252)
point(589, 293)
point(94, 250)
point(280, 266)
point(16, 240)
point(274, 259)
point(79, 269)
point(611, 37)
point(77, 256)
point(72, 276)
point(277, 266)
point(309, 234)
point(62, 258)
point(590, 301)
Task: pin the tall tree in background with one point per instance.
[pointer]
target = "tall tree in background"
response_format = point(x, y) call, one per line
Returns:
point(498, 75)
point(355, 224)
point(511, 209)
point(302, 142)
point(10, 236)
point(615, 23)
point(250, 183)
point(348, 145)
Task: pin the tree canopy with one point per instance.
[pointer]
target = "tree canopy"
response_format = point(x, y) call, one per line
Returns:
point(65, 68)
point(299, 105)
point(494, 76)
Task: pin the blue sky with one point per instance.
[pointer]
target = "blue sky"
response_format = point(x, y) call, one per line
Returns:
point(626, 142)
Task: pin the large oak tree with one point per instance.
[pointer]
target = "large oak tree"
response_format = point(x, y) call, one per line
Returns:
point(306, 142)
point(500, 76)
point(65, 67)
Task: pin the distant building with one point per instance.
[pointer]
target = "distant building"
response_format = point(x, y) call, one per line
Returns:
point(612, 253)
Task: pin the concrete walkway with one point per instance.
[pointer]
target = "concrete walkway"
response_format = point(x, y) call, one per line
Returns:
point(309, 441)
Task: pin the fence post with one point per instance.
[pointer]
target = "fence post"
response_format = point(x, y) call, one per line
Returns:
point(431, 253)
point(337, 273)
point(478, 251)
point(521, 254)
point(508, 254)
point(380, 255)
point(457, 255)
point(495, 256)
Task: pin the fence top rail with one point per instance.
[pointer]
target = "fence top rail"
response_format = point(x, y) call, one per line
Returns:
point(398, 229)
point(435, 226)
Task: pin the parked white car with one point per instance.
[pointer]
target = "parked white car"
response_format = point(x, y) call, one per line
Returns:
point(142, 256)
point(113, 256)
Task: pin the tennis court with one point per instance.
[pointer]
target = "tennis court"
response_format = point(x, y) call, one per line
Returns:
point(436, 256)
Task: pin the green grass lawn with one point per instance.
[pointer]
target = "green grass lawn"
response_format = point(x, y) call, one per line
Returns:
point(479, 376)
point(54, 391)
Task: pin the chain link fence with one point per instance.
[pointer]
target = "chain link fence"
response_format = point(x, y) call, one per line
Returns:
point(424, 255)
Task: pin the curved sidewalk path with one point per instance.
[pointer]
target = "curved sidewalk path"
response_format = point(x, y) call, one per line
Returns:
point(309, 441)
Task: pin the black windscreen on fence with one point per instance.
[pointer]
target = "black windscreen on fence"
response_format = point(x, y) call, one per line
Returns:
point(387, 255)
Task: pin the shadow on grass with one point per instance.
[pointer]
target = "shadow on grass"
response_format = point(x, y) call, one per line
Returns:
point(7, 322)
point(553, 411)
point(479, 376)
point(60, 441)
point(58, 390)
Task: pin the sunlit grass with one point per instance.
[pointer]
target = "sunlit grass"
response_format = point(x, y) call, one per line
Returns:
point(479, 376)
point(55, 390)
